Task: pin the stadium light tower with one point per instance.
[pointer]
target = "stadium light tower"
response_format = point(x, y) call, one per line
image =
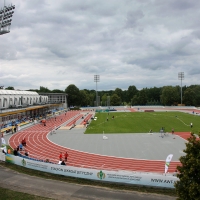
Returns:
point(6, 14)
point(96, 79)
point(181, 77)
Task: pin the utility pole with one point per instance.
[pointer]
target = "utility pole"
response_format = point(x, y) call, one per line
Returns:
point(181, 77)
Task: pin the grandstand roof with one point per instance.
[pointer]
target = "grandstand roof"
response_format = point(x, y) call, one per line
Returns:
point(19, 92)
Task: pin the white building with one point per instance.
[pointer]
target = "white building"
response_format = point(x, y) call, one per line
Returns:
point(57, 98)
point(17, 99)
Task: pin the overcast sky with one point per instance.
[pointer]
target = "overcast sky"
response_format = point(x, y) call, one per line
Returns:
point(146, 43)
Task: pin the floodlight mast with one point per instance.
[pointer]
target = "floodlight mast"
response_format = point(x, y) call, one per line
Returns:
point(6, 14)
point(181, 77)
point(96, 79)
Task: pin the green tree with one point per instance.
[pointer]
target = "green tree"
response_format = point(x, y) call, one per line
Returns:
point(188, 97)
point(169, 96)
point(153, 94)
point(132, 90)
point(196, 89)
point(104, 100)
point(142, 97)
point(92, 98)
point(84, 98)
point(10, 88)
point(57, 91)
point(115, 100)
point(44, 90)
point(188, 186)
point(135, 100)
point(119, 92)
point(73, 95)
point(125, 96)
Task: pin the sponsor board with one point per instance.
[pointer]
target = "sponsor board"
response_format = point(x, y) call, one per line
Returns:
point(10, 158)
point(2, 156)
point(128, 177)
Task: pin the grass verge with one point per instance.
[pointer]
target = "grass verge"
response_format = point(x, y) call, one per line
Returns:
point(13, 195)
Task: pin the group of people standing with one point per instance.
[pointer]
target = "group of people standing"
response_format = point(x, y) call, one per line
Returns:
point(63, 158)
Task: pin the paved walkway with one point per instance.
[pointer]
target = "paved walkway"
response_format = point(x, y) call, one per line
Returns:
point(62, 190)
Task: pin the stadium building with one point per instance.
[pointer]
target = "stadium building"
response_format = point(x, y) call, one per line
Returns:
point(16, 104)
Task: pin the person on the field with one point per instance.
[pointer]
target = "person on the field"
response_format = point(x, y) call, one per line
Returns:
point(60, 156)
point(9, 151)
point(21, 148)
point(15, 152)
point(172, 130)
point(66, 156)
point(24, 142)
point(26, 153)
point(63, 163)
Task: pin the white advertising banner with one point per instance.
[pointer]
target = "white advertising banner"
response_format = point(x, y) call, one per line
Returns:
point(167, 162)
point(2, 156)
point(3, 142)
point(148, 179)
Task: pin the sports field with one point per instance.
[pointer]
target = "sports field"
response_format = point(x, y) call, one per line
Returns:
point(142, 122)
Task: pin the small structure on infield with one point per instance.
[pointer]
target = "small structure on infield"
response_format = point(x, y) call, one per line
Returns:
point(104, 137)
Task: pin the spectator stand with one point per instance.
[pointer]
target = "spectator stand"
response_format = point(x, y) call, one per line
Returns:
point(9, 128)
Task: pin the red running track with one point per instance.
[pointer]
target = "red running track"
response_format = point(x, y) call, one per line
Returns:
point(185, 135)
point(40, 147)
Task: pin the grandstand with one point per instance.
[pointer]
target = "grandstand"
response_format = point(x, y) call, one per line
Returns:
point(22, 107)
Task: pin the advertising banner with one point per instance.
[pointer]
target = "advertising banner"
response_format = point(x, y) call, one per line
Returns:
point(3, 145)
point(3, 142)
point(167, 162)
point(2, 156)
point(128, 177)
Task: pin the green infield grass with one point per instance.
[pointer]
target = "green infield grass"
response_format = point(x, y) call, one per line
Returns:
point(142, 122)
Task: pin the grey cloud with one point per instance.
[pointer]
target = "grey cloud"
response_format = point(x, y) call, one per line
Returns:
point(196, 33)
point(125, 42)
point(183, 5)
point(194, 71)
point(133, 17)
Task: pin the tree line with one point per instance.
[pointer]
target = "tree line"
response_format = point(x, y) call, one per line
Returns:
point(166, 95)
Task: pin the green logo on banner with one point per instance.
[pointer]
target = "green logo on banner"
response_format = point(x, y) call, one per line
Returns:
point(101, 175)
point(24, 163)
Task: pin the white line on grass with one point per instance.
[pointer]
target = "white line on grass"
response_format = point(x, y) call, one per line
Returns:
point(182, 121)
